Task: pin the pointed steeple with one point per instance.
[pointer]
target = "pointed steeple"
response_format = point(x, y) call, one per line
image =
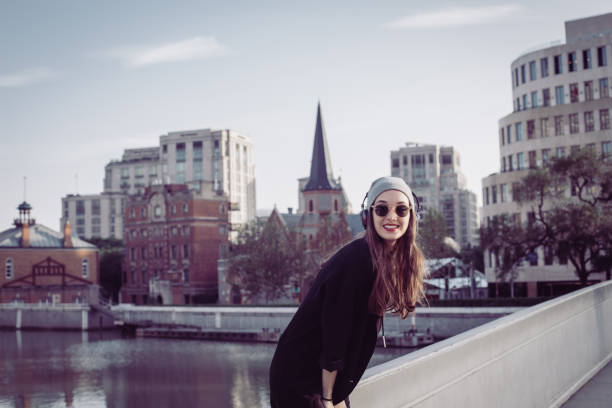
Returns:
point(321, 176)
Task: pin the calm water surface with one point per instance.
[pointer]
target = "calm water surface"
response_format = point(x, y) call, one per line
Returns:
point(102, 369)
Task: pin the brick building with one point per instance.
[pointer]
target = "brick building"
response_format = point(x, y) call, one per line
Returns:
point(173, 239)
point(45, 266)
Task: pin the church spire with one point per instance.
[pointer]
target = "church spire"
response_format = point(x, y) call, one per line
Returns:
point(321, 176)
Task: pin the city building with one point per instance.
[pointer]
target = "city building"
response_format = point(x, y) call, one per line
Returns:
point(221, 160)
point(94, 215)
point(561, 99)
point(434, 174)
point(173, 239)
point(41, 265)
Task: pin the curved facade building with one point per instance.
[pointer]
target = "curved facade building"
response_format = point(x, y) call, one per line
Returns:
point(562, 102)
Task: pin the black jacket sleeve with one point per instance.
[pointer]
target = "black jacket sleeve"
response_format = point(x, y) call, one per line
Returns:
point(340, 294)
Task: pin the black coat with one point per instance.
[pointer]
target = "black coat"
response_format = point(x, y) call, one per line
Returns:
point(332, 329)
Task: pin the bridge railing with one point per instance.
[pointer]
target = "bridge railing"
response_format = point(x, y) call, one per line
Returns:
point(537, 357)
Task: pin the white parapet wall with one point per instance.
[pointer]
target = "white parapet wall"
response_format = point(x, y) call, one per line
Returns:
point(537, 357)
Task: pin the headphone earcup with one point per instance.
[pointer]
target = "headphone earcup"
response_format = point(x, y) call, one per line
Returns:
point(364, 218)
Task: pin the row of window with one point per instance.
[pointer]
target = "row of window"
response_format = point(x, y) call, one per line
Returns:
point(418, 160)
point(9, 268)
point(533, 257)
point(515, 132)
point(501, 194)
point(158, 252)
point(158, 210)
point(533, 100)
point(144, 276)
point(529, 72)
point(159, 231)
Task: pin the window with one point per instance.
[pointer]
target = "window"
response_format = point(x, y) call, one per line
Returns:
point(532, 71)
point(95, 207)
point(405, 160)
point(125, 173)
point(530, 129)
point(544, 127)
point(509, 133)
point(519, 131)
point(132, 212)
point(517, 104)
point(173, 209)
point(143, 212)
point(532, 160)
point(197, 161)
point(602, 59)
point(534, 99)
point(395, 163)
point(523, 74)
point(559, 125)
point(143, 253)
point(573, 93)
point(544, 67)
point(185, 207)
point(559, 97)
point(573, 123)
point(173, 251)
point(605, 149)
point(588, 90)
point(503, 164)
point(604, 119)
point(558, 64)
point(494, 194)
point(173, 230)
point(503, 192)
point(185, 251)
point(545, 156)
point(520, 161)
point(525, 106)
point(589, 121)
point(502, 136)
point(486, 194)
point(310, 206)
point(586, 59)
point(549, 254)
point(546, 97)
point(8, 269)
point(85, 268)
point(515, 191)
point(139, 171)
point(571, 61)
point(516, 81)
point(560, 152)
point(80, 207)
point(603, 88)
point(510, 163)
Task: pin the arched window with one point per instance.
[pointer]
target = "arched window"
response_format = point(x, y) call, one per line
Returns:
point(8, 268)
point(85, 268)
point(336, 205)
point(310, 206)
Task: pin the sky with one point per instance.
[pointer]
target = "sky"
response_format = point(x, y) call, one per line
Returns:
point(80, 81)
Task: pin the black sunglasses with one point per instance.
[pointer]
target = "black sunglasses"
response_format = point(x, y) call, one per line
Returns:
point(382, 209)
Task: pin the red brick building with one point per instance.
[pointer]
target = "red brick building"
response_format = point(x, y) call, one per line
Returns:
point(173, 239)
point(40, 265)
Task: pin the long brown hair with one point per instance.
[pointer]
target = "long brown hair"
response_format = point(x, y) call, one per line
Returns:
point(399, 270)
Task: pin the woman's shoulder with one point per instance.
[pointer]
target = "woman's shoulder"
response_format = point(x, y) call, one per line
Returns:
point(355, 252)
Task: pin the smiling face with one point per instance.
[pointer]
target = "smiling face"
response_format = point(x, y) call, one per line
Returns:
point(391, 227)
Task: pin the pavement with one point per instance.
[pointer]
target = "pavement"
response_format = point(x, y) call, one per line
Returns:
point(597, 393)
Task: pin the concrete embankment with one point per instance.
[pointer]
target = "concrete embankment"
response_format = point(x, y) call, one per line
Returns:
point(266, 323)
point(55, 317)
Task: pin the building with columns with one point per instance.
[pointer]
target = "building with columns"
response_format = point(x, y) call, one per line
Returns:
point(434, 174)
point(561, 99)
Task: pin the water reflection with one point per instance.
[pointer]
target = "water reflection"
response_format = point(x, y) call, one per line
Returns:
point(101, 369)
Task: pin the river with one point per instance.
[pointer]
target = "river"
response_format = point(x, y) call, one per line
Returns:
point(103, 369)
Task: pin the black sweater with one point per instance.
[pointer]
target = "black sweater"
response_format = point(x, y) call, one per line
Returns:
point(332, 328)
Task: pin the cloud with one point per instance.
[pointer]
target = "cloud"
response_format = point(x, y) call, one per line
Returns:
point(26, 77)
point(190, 49)
point(454, 17)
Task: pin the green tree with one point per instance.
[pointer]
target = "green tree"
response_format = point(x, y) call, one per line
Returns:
point(111, 265)
point(569, 211)
point(264, 261)
point(432, 236)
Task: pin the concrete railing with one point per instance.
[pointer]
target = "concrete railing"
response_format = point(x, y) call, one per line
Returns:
point(537, 357)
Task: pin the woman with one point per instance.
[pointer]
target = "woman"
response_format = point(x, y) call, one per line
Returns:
point(326, 347)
